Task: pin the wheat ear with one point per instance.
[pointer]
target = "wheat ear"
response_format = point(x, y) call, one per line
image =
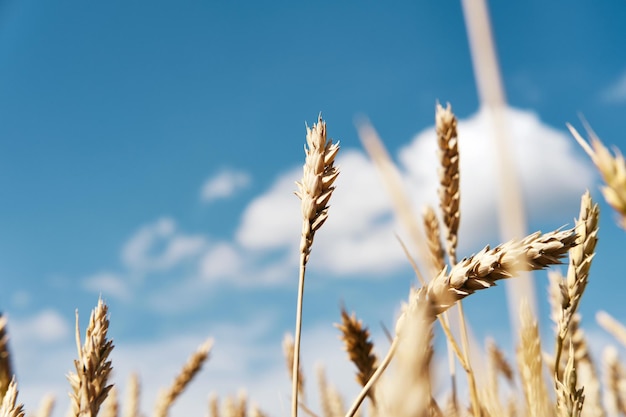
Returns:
point(569, 399)
point(449, 202)
point(612, 168)
point(409, 394)
point(190, 369)
point(483, 270)
point(45, 406)
point(578, 271)
point(314, 191)
point(357, 343)
point(433, 239)
point(133, 392)
point(614, 327)
point(530, 365)
point(478, 272)
point(288, 352)
point(615, 381)
point(89, 383)
point(6, 370)
point(9, 406)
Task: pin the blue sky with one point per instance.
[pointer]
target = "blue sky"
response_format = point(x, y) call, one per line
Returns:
point(148, 152)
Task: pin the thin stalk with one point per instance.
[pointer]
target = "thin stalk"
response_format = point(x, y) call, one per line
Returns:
point(296, 342)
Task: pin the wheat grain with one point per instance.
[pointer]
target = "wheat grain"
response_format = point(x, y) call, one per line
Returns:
point(214, 405)
point(89, 383)
point(190, 369)
point(357, 343)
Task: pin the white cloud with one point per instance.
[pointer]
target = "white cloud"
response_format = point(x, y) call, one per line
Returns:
point(222, 261)
point(159, 246)
point(47, 326)
point(358, 237)
point(108, 284)
point(616, 92)
point(224, 185)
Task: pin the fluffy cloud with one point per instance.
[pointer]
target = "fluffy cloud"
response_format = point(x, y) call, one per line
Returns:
point(108, 284)
point(358, 237)
point(616, 92)
point(159, 246)
point(47, 326)
point(224, 185)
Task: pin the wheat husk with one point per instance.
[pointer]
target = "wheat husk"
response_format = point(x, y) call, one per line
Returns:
point(9, 406)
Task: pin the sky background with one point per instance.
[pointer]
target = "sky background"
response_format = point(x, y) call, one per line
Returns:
point(148, 153)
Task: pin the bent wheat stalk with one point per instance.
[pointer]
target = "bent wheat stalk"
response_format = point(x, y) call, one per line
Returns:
point(478, 272)
point(314, 191)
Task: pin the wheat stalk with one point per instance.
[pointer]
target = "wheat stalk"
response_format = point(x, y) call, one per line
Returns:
point(89, 383)
point(190, 369)
point(314, 191)
point(357, 343)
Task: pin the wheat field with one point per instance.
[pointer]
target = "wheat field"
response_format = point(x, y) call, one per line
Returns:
point(400, 383)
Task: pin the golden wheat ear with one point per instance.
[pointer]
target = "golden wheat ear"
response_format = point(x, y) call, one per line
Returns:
point(6, 370)
point(89, 383)
point(314, 191)
point(9, 406)
point(360, 349)
point(190, 369)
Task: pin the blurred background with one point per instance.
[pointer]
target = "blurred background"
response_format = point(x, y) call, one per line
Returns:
point(148, 154)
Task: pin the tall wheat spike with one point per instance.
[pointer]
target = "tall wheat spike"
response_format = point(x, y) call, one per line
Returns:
point(314, 191)
point(133, 392)
point(580, 259)
point(89, 383)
